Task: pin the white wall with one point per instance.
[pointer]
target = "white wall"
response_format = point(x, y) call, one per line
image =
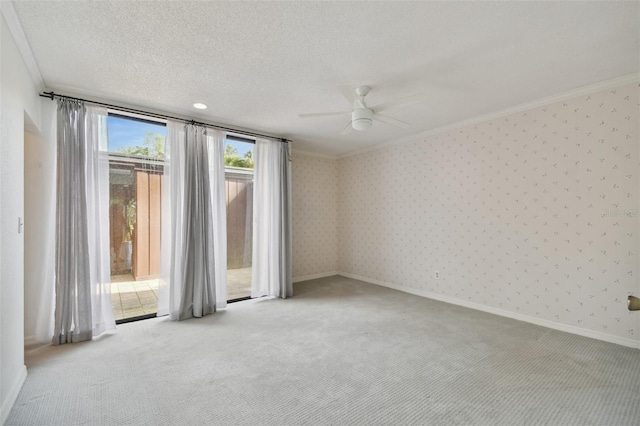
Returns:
point(315, 216)
point(533, 215)
point(20, 106)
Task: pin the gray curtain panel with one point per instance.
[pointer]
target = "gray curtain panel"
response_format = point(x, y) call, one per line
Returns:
point(73, 316)
point(193, 273)
point(198, 266)
point(271, 275)
point(285, 200)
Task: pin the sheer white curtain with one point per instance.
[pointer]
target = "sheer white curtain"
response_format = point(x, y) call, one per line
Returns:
point(194, 249)
point(98, 220)
point(41, 261)
point(83, 296)
point(271, 274)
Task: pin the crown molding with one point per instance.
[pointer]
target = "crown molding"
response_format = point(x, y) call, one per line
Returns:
point(295, 152)
point(570, 94)
point(15, 28)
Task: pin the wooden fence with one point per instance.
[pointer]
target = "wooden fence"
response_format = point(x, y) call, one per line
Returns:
point(145, 237)
point(239, 189)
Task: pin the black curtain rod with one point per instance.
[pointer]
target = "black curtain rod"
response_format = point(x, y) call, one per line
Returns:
point(52, 96)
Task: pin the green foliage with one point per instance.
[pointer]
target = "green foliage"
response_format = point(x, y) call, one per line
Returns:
point(130, 216)
point(153, 147)
point(231, 158)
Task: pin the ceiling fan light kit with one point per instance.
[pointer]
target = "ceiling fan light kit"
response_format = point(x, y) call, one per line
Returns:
point(362, 119)
point(362, 116)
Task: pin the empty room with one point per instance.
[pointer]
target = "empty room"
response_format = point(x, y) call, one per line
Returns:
point(331, 213)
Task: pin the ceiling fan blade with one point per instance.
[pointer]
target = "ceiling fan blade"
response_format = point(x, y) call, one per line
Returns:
point(323, 114)
point(415, 99)
point(391, 121)
point(348, 93)
point(347, 129)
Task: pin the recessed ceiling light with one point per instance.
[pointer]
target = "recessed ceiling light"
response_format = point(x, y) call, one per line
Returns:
point(199, 105)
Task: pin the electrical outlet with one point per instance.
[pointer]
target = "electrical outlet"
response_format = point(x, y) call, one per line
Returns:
point(436, 275)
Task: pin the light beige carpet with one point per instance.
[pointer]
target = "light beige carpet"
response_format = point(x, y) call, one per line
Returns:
point(339, 352)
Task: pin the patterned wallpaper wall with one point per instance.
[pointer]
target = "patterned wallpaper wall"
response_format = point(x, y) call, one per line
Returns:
point(534, 213)
point(315, 215)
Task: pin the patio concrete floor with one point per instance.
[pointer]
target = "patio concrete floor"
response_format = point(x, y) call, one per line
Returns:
point(130, 298)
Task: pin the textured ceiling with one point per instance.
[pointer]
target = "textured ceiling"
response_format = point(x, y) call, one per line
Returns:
point(259, 65)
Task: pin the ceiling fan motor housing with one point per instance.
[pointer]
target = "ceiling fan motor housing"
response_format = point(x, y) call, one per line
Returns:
point(362, 118)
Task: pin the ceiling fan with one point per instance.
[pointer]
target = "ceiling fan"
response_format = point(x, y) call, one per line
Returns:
point(362, 116)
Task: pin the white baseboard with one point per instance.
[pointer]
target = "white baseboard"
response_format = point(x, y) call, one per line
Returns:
point(30, 341)
point(314, 276)
point(504, 313)
point(7, 404)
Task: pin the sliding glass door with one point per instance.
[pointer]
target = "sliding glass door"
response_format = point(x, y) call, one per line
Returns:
point(136, 165)
point(136, 161)
point(239, 192)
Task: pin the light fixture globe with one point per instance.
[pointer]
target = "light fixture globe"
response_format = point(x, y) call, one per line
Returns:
point(362, 119)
